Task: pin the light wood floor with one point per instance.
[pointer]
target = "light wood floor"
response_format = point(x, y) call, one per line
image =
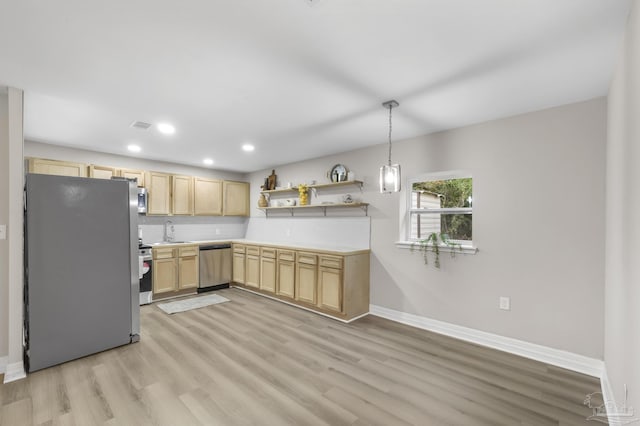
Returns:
point(256, 361)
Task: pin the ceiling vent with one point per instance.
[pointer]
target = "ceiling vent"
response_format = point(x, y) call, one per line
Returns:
point(140, 125)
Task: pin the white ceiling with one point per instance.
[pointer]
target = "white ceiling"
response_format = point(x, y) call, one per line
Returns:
point(297, 81)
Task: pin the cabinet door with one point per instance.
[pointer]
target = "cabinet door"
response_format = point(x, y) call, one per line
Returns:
point(306, 278)
point(182, 195)
point(188, 272)
point(164, 275)
point(330, 288)
point(238, 268)
point(268, 274)
point(286, 279)
point(236, 198)
point(252, 277)
point(207, 197)
point(102, 172)
point(159, 193)
point(138, 175)
point(60, 168)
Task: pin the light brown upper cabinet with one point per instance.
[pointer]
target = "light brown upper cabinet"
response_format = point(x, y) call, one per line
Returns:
point(207, 198)
point(54, 167)
point(133, 174)
point(182, 195)
point(236, 198)
point(102, 172)
point(159, 193)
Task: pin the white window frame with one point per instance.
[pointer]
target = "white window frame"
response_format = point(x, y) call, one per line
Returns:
point(465, 246)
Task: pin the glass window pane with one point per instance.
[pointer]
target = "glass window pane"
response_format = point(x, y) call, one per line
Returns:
point(450, 193)
point(455, 226)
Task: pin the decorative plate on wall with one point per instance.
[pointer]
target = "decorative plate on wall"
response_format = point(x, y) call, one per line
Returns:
point(338, 173)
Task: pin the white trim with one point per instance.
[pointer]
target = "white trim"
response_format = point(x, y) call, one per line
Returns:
point(15, 234)
point(405, 212)
point(301, 307)
point(3, 364)
point(607, 394)
point(445, 248)
point(14, 372)
point(570, 361)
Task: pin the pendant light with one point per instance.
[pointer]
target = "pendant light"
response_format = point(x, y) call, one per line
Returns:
point(390, 173)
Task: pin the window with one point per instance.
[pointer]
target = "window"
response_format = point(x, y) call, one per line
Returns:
point(441, 204)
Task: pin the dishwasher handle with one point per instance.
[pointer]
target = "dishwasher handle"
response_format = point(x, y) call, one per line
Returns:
point(215, 247)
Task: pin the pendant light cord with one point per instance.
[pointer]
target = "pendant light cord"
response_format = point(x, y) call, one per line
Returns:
point(390, 108)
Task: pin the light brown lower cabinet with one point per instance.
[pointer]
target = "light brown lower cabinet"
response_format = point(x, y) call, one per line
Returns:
point(175, 270)
point(334, 284)
point(238, 267)
point(252, 267)
point(330, 288)
point(306, 278)
point(188, 267)
point(268, 269)
point(286, 274)
point(164, 276)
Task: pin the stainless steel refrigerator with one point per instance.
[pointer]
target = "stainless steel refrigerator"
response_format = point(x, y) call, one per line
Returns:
point(81, 268)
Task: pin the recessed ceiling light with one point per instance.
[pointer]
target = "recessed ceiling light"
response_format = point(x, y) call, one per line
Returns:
point(166, 128)
point(248, 147)
point(134, 148)
point(208, 161)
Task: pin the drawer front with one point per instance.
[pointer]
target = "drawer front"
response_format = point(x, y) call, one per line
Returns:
point(253, 250)
point(189, 251)
point(288, 255)
point(238, 248)
point(268, 252)
point(308, 258)
point(163, 252)
point(331, 261)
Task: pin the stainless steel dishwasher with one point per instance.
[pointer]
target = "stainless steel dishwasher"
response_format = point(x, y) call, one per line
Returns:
point(215, 267)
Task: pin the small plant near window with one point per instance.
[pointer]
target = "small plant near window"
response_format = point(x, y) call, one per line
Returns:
point(432, 244)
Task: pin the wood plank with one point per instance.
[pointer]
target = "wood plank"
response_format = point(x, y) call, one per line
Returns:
point(256, 361)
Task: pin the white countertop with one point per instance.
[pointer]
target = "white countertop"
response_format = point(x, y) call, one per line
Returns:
point(298, 246)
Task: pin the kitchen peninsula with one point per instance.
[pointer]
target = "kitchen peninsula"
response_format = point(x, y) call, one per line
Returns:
point(332, 281)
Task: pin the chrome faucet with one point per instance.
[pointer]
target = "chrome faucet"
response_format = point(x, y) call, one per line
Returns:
point(168, 231)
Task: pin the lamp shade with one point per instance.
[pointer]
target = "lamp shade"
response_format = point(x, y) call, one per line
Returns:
point(390, 178)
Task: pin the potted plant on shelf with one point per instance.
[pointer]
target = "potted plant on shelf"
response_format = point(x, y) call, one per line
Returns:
point(432, 244)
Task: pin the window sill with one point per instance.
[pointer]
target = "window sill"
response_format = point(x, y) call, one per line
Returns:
point(408, 245)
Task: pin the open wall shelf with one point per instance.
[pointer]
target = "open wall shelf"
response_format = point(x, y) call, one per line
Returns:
point(320, 186)
point(323, 207)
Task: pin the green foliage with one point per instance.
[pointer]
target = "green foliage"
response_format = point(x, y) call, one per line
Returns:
point(431, 244)
point(453, 193)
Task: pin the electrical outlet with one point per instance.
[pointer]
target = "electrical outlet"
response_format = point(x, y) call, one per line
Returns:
point(218, 231)
point(3, 232)
point(505, 303)
point(288, 232)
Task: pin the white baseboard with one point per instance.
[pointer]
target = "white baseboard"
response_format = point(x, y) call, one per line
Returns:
point(607, 394)
point(14, 371)
point(3, 364)
point(570, 361)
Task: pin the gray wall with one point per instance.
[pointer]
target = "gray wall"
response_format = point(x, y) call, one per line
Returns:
point(538, 223)
point(622, 295)
point(4, 219)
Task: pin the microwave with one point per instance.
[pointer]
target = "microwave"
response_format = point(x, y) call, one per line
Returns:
point(142, 194)
point(142, 200)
